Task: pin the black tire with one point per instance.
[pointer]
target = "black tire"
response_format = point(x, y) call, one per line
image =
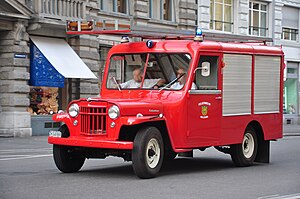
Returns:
point(244, 154)
point(64, 131)
point(147, 153)
point(66, 159)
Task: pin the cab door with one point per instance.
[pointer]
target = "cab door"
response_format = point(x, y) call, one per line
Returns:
point(205, 104)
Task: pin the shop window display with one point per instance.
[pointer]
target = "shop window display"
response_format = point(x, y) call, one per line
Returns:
point(290, 97)
point(43, 100)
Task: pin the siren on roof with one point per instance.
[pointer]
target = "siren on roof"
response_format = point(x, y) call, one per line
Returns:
point(198, 34)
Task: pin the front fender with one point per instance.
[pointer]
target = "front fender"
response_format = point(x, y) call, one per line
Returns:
point(133, 120)
point(139, 120)
point(62, 117)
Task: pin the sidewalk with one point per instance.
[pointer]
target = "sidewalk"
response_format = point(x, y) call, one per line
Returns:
point(291, 130)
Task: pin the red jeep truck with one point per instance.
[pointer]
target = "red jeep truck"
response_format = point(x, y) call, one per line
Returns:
point(229, 97)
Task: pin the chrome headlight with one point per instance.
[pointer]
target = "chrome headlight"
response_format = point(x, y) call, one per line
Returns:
point(74, 110)
point(114, 112)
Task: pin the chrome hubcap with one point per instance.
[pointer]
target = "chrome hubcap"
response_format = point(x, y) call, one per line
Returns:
point(248, 145)
point(152, 153)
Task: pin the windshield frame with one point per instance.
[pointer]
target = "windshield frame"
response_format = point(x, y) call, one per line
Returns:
point(185, 57)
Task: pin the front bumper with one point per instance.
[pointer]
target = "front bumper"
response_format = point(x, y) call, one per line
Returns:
point(91, 142)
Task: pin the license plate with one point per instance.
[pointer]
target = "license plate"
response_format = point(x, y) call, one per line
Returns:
point(54, 133)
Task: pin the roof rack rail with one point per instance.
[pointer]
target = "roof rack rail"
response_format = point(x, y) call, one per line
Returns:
point(237, 38)
point(117, 27)
point(124, 28)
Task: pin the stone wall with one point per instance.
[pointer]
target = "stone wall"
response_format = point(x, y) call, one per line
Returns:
point(277, 19)
point(243, 17)
point(204, 14)
point(187, 14)
point(14, 76)
point(87, 47)
point(140, 9)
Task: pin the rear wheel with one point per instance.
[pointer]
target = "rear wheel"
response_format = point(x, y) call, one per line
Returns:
point(244, 154)
point(67, 159)
point(147, 153)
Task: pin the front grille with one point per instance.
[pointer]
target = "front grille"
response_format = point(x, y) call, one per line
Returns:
point(93, 120)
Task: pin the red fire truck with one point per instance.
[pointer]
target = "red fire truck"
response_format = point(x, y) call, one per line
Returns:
point(168, 96)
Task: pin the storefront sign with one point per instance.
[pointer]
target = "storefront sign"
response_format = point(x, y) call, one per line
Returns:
point(20, 55)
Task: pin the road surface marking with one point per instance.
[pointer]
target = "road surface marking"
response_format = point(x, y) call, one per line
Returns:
point(25, 150)
point(277, 196)
point(25, 157)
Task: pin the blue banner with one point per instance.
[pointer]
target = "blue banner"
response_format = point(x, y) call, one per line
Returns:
point(42, 73)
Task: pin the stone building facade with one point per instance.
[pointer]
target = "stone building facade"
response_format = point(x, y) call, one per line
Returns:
point(290, 42)
point(275, 19)
point(21, 19)
point(14, 119)
point(230, 19)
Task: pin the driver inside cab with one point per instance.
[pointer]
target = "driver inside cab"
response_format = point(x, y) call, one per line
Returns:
point(137, 80)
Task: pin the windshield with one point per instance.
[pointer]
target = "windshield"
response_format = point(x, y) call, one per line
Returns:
point(148, 71)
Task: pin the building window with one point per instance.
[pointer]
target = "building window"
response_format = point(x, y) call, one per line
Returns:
point(290, 23)
point(221, 15)
point(162, 9)
point(290, 96)
point(43, 100)
point(118, 6)
point(258, 19)
point(289, 34)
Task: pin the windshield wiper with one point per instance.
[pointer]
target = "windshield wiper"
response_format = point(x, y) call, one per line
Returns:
point(172, 82)
point(115, 81)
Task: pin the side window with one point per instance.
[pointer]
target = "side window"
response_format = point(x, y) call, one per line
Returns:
point(206, 76)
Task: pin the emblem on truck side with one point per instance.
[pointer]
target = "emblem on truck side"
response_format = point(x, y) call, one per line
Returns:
point(204, 109)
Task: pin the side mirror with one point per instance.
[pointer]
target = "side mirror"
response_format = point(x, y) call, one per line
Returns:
point(205, 69)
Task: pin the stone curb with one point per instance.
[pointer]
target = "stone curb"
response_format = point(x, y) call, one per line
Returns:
point(291, 134)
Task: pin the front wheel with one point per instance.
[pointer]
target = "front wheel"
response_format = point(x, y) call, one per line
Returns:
point(67, 159)
point(147, 153)
point(244, 154)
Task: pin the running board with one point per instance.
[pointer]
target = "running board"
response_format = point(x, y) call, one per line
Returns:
point(188, 154)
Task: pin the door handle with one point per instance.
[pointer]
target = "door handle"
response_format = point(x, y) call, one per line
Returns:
point(218, 98)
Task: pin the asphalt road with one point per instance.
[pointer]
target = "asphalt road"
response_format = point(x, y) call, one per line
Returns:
point(27, 170)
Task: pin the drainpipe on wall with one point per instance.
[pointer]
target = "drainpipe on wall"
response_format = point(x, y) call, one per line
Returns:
point(273, 21)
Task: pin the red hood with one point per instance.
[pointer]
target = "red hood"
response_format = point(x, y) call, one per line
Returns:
point(130, 107)
point(143, 107)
